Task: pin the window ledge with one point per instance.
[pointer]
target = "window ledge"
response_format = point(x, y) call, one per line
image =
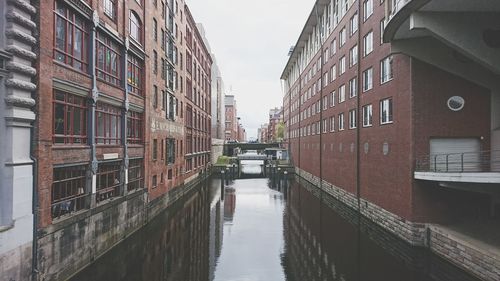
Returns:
point(69, 146)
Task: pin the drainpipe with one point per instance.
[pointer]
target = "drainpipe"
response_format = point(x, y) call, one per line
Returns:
point(34, 246)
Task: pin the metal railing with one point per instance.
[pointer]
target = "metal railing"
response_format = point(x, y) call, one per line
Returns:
point(482, 161)
point(396, 5)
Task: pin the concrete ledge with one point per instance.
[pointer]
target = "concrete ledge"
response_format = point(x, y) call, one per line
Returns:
point(473, 177)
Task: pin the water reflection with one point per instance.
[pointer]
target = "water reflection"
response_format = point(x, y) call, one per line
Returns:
point(256, 230)
point(325, 240)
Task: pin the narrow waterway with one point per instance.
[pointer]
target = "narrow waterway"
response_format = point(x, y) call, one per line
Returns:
point(257, 231)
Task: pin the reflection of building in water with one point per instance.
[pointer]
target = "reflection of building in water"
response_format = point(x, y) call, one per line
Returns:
point(323, 242)
point(172, 247)
point(229, 204)
point(216, 230)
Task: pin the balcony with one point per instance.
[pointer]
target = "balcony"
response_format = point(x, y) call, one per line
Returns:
point(447, 33)
point(468, 167)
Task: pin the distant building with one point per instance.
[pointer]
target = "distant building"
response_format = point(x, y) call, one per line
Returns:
point(231, 123)
point(275, 120)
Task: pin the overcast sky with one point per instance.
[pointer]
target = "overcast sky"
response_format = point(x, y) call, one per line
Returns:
point(251, 40)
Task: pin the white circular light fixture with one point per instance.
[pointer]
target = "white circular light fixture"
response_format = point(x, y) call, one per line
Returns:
point(456, 103)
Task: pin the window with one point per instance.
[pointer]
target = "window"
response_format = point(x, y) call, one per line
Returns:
point(333, 47)
point(352, 119)
point(134, 127)
point(108, 124)
point(332, 99)
point(353, 56)
point(108, 180)
point(68, 190)
point(110, 8)
point(342, 37)
point(382, 29)
point(325, 125)
point(155, 181)
point(155, 30)
point(353, 87)
point(386, 111)
point(155, 97)
point(325, 102)
point(170, 151)
point(368, 79)
point(134, 75)
point(367, 115)
point(367, 8)
point(135, 27)
point(333, 73)
point(342, 65)
point(135, 174)
point(353, 24)
point(341, 121)
point(108, 60)
point(155, 150)
point(70, 119)
point(71, 38)
point(342, 93)
point(155, 62)
point(368, 43)
point(325, 79)
point(386, 73)
point(332, 124)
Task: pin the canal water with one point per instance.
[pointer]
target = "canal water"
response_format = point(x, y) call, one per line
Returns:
point(258, 230)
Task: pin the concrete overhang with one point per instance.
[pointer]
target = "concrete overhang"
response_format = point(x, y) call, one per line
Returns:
point(469, 28)
point(480, 177)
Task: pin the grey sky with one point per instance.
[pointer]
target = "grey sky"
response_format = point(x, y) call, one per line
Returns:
point(251, 39)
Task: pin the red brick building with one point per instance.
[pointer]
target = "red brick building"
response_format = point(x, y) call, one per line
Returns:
point(231, 122)
point(378, 128)
point(90, 133)
point(198, 87)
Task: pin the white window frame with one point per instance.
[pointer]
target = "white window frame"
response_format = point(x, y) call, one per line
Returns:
point(341, 93)
point(342, 65)
point(341, 121)
point(353, 24)
point(342, 37)
point(367, 9)
point(368, 44)
point(332, 124)
point(386, 111)
point(333, 73)
point(367, 115)
point(332, 98)
point(353, 87)
point(352, 119)
point(386, 62)
point(368, 79)
point(325, 125)
point(353, 56)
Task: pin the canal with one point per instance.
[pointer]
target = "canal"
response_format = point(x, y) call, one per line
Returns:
point(255, 230)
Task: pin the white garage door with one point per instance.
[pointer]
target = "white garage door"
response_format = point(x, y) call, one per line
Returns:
point(455, 155)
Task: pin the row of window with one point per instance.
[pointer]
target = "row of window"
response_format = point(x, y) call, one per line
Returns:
point(70, 122)
point(70, 186)
point(72, 43)
point(167, 154)
point(386, 74)
point(386, 117)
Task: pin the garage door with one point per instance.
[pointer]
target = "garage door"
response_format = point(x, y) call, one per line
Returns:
point(455, 154)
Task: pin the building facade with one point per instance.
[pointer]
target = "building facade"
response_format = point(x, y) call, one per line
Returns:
point(275, 121)
point(396, 131)
point(198, 79)
point(231, 121)
point(106, 113)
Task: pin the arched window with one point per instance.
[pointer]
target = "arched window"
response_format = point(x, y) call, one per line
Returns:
point(135, 27)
